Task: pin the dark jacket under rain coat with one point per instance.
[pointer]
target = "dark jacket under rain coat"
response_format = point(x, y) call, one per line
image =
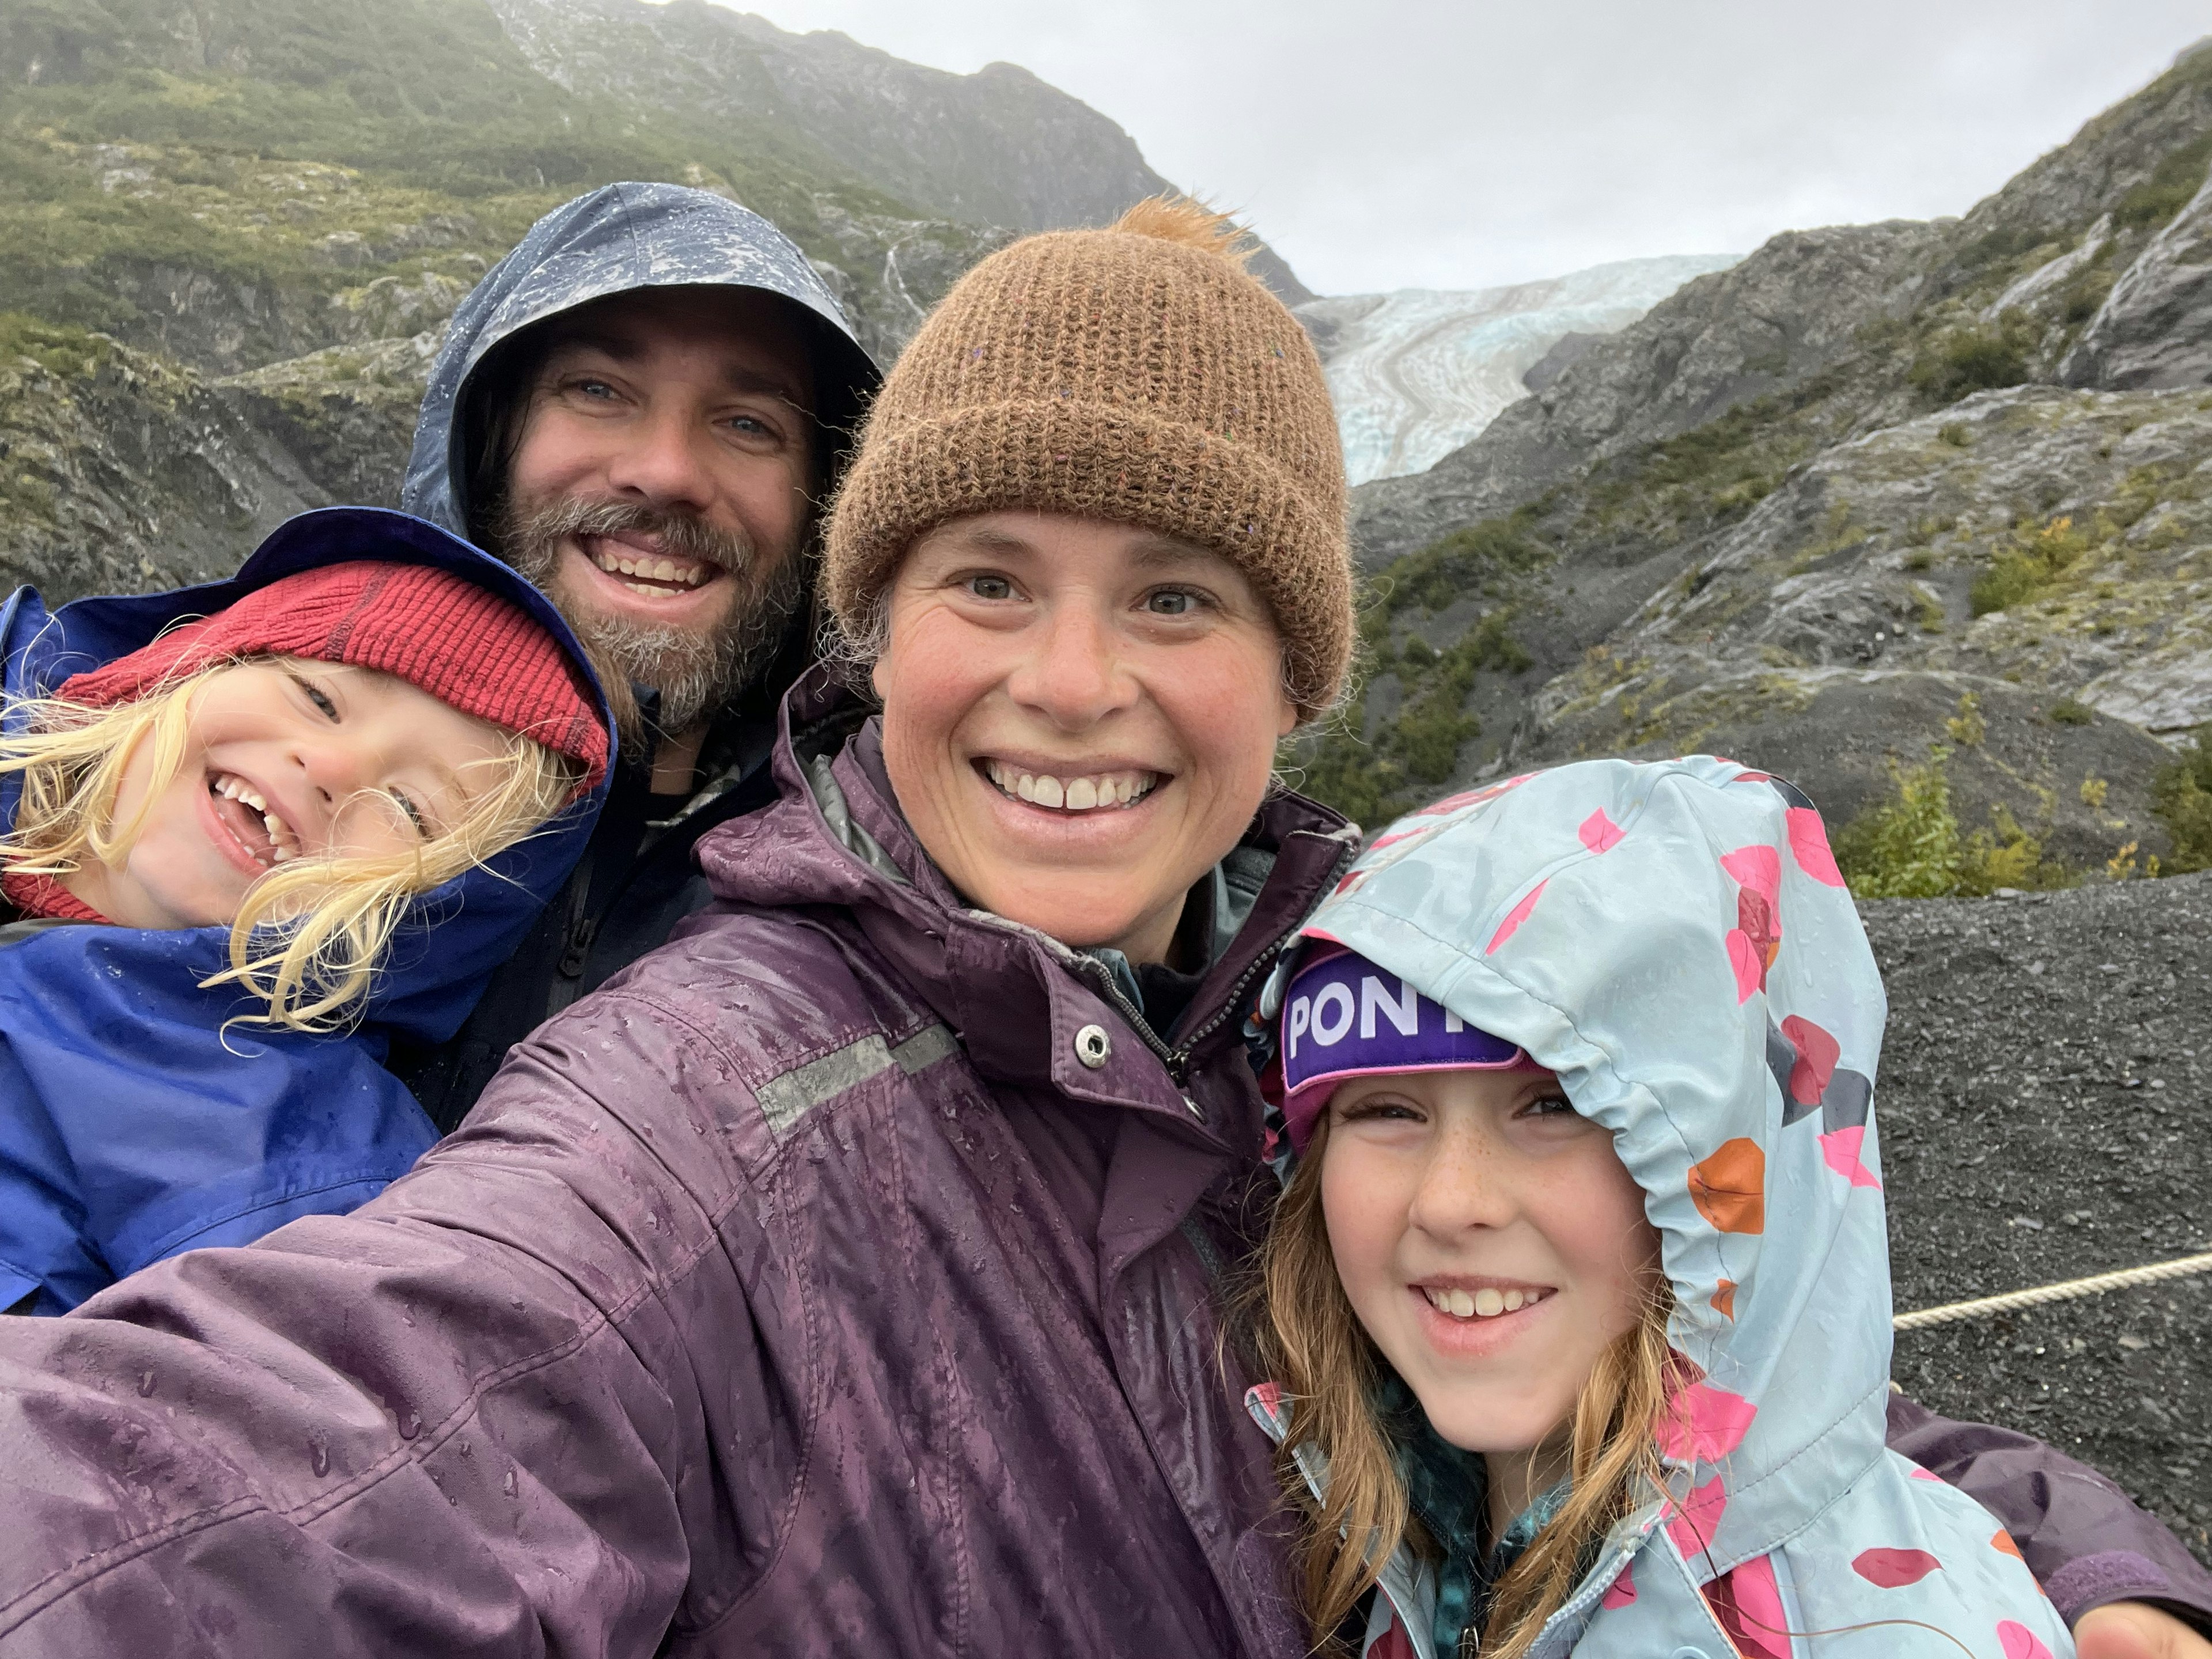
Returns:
point(637, 879)
point(133, 1124)
point(824, 1285)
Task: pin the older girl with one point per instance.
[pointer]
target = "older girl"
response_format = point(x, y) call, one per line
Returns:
point(1580, 1291)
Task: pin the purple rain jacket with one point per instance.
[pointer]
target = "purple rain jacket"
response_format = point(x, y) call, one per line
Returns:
point(821, 1285)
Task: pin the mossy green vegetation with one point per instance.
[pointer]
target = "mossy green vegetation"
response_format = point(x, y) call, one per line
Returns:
point(1467, 562)
point(2182, 797)
point(301, 149)
point(2178, 177)
point(1708, 475)
point(2029, 565)
point(56, 347)
point(1374, 777)
point(1910, 845)
point(1973, 357)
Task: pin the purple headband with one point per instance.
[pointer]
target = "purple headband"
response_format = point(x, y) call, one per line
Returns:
point(1346, 1017)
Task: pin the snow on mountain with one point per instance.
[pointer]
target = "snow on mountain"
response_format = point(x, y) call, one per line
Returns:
point(1419, 373)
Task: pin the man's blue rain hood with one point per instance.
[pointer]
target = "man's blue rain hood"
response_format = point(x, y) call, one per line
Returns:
point(1675, 940)
point(132, 1124)
point(616, 239)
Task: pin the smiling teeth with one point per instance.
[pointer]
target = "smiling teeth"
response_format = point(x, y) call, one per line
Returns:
point(283, 844)
point(689, 571)
point(1082, 794)
point(1487, 1302)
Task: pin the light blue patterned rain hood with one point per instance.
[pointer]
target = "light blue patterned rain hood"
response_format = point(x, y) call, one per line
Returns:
point(1675, 940)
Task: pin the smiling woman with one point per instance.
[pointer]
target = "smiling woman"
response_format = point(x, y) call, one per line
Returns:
point(1094, 595)
point(1079, 719)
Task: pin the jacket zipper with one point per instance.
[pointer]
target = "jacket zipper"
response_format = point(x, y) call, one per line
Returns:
point(1179, 1063)
point(1178, 1060)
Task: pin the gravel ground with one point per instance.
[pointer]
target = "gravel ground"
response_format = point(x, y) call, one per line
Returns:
point(2044, 1092)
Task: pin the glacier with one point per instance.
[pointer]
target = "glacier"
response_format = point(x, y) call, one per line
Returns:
point(1419, 373)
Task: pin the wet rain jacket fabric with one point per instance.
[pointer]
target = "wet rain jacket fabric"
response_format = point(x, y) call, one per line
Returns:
point(133, 1125)
point(1675, 940)
point(638, 878)
point(803, 1292)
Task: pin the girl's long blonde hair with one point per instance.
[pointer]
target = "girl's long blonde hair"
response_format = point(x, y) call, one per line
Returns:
point(1311, 1341)
point(310, 935)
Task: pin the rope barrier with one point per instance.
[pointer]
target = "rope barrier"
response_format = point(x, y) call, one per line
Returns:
point(2096, 1284)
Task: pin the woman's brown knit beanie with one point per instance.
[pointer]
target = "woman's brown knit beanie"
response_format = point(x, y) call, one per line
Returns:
point(1137, 374)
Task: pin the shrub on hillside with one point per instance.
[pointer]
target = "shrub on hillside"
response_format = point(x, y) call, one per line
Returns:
point(1910, 846)
point(2029, 566)
point(1973, 359)
point(2181, 795)
point(2167, 190)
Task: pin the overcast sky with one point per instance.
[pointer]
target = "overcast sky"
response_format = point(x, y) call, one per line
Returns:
point(1460, 144)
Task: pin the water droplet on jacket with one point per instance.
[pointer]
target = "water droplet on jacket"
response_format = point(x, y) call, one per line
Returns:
point(320, 1459)
point(466, 1449)
point(145, 1383)
point(410, 1424)
point(506, 1486)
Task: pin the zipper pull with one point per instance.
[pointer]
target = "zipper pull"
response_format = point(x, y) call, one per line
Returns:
point(580, 947)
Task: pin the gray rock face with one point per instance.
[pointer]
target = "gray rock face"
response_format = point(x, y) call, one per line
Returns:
point(2155, 329)
point(1566, 352)
point(1765, 325)
point(1837, 624)
point(998, 146)
point(123, 472)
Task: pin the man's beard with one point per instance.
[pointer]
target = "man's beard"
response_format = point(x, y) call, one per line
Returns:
point(696, 672)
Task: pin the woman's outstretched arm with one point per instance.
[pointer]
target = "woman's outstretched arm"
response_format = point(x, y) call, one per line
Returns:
point(2085, 1540)
point(464, 1420)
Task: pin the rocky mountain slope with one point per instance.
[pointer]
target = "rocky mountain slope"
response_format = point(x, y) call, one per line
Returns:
point(1874, 493)
point(1418, 374)
point(231, 231)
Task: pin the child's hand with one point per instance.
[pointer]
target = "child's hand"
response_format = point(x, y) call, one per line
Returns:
point(2136, 1630)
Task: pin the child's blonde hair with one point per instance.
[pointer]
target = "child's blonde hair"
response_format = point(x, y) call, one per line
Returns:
point(1311, 1340)
point(309, 936)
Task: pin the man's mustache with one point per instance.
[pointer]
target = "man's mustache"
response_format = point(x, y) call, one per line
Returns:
point(679, 535)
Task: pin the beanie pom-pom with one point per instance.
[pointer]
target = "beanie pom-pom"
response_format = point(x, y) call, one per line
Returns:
point(1184, 219)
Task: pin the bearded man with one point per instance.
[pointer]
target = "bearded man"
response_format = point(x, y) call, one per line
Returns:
point(641, 408)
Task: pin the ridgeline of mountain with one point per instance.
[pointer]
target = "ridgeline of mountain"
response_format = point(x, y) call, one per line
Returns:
point(1915, 514)
point(232, 231)
point(998, 146)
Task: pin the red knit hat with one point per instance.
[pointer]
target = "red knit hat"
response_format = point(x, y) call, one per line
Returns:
point(469, 648)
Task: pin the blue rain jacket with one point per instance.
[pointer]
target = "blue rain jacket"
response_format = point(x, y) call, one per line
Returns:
point(1675, 942)
point(132, 1125)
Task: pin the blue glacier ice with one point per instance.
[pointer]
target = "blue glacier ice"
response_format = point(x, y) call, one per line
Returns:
point(1417, 373)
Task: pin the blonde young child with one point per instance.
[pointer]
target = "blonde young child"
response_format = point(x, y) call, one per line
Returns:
point(1578, 1295)
point(254, 832)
